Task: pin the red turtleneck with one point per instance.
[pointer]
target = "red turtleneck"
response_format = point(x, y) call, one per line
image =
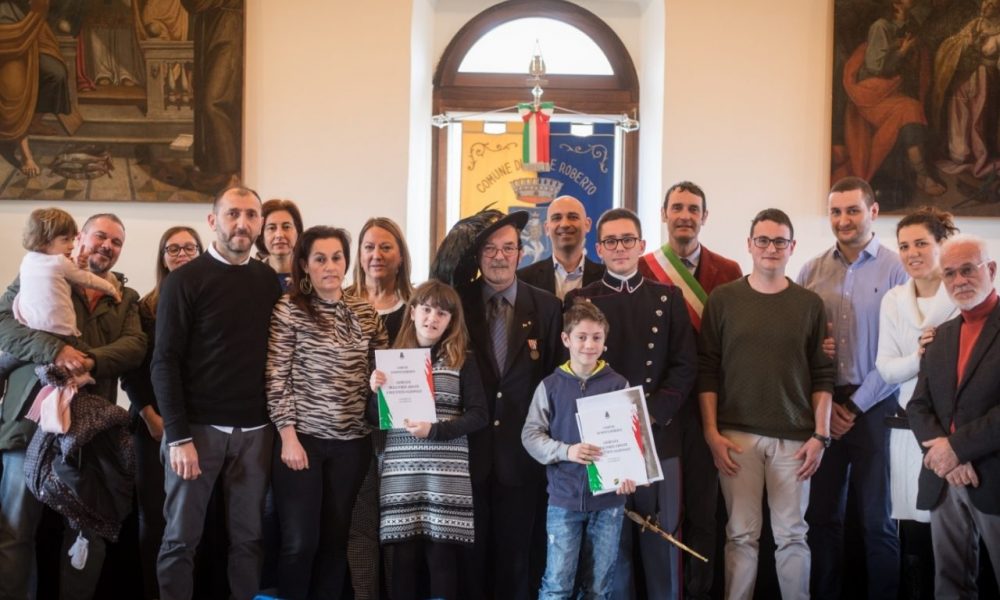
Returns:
point(973, 321)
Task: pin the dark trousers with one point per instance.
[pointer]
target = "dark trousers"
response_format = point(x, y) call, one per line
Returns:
point(916, 580)
point(20, 514)
point(860, 459)
point(701, 491)
point(508, 558)
point(957, 528)
point(421, 560)
point(648, 566)
point(243, 461)
point(150, 495)
point(314, 508)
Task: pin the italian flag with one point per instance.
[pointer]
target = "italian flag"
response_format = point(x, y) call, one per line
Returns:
point(535, 141)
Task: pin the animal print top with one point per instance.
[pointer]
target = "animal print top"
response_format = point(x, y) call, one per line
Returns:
point(318, 370)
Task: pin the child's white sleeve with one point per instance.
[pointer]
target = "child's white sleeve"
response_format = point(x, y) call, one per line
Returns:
point(75, 274)
point(535, 434)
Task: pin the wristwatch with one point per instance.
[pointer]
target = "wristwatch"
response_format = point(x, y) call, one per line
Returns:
point(825, 439)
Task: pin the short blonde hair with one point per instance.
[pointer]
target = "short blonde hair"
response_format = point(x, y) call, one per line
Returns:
point(45, 225)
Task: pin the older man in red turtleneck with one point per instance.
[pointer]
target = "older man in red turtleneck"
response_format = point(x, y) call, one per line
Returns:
point(955, 414)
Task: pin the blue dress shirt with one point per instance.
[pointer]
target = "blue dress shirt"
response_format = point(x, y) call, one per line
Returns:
point(852, 294)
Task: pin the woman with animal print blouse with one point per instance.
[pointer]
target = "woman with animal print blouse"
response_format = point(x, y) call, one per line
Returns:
point(320, 356)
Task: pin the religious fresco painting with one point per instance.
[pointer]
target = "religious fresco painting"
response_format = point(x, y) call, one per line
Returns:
point(579, 166)
point(120, 100)
point(916, 102)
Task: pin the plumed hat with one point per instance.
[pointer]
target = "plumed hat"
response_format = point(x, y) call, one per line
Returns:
point(456, 261)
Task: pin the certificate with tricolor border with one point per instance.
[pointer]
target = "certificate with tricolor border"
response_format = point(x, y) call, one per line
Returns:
point(408, 392)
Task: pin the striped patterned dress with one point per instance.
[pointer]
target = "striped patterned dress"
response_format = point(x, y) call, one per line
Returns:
point(426, 490)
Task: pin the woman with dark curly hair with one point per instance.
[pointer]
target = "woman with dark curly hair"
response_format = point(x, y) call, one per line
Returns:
point(320, 356)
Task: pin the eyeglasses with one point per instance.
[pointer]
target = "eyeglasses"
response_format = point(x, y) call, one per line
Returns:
point(492, 251)
point(176, 249)
point(627, 242)
point(762, 241)
point(967, 271)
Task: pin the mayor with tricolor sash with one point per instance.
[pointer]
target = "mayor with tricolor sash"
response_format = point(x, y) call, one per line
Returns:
point(684, 262)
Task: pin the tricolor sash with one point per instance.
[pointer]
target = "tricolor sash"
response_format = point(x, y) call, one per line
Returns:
point(668, 268)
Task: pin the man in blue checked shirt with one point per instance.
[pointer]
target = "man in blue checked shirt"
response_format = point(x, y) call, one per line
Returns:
point(852, 277)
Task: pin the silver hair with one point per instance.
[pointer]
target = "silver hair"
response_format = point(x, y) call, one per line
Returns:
point(967, 239)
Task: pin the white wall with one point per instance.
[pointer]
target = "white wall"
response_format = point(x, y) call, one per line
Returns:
point(335, 121)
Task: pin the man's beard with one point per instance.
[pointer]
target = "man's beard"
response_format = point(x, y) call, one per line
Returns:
point(99, 263)
point(237, 245)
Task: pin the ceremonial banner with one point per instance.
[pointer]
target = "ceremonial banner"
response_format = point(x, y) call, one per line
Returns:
point(580, 166)
point(490, 162)
point(408, 393)
point(586, 168)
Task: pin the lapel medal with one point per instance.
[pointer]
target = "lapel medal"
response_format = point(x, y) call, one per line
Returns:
point(533, 344)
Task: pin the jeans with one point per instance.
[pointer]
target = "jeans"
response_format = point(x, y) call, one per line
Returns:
point(860, 459)
point(587, 538)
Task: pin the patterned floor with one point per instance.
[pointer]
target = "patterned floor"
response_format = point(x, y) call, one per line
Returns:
point(130, 180)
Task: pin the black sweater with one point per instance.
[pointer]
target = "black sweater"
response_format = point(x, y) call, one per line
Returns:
point(211, 345)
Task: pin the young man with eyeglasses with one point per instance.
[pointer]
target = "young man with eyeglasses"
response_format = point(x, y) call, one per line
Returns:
point(514, 330)
point(851, 278)
point(652, 345)
point(953, 414)
point(764, 386)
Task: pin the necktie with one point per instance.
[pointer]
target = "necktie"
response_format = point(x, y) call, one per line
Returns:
point(688, 264)
point(498, 330)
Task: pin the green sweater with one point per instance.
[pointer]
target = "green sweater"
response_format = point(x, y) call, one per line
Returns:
point(762, 354)
point(110, 334)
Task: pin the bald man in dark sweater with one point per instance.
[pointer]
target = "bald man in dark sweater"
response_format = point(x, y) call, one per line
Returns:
point(208, 374)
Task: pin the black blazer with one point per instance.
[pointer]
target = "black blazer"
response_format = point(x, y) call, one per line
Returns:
point(974, 403)
point(542, 274)
point(534, 350)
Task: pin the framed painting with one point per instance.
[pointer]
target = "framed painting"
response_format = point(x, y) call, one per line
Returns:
point(916, 102)
point(120, 100)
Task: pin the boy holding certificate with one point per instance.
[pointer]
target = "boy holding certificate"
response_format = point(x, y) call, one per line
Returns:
point(576, 519)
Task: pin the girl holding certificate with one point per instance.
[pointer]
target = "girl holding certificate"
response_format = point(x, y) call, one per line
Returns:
point(426, 492)
point(320, 355)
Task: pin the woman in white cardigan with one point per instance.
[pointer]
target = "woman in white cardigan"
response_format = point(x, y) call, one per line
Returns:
point(910, 314)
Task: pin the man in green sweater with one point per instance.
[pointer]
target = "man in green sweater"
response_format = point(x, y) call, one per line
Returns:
point(765, 388)
point(111, 342)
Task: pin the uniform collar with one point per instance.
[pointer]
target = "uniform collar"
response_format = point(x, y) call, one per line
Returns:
point(618, 284)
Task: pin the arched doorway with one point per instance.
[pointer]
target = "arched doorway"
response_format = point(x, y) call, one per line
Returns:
point(457, 88)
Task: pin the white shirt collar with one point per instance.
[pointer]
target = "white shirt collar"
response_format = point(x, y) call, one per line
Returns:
point(217, 256)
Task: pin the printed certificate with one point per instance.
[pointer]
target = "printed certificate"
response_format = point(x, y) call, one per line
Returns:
point(618, 423)
point(408, 392)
